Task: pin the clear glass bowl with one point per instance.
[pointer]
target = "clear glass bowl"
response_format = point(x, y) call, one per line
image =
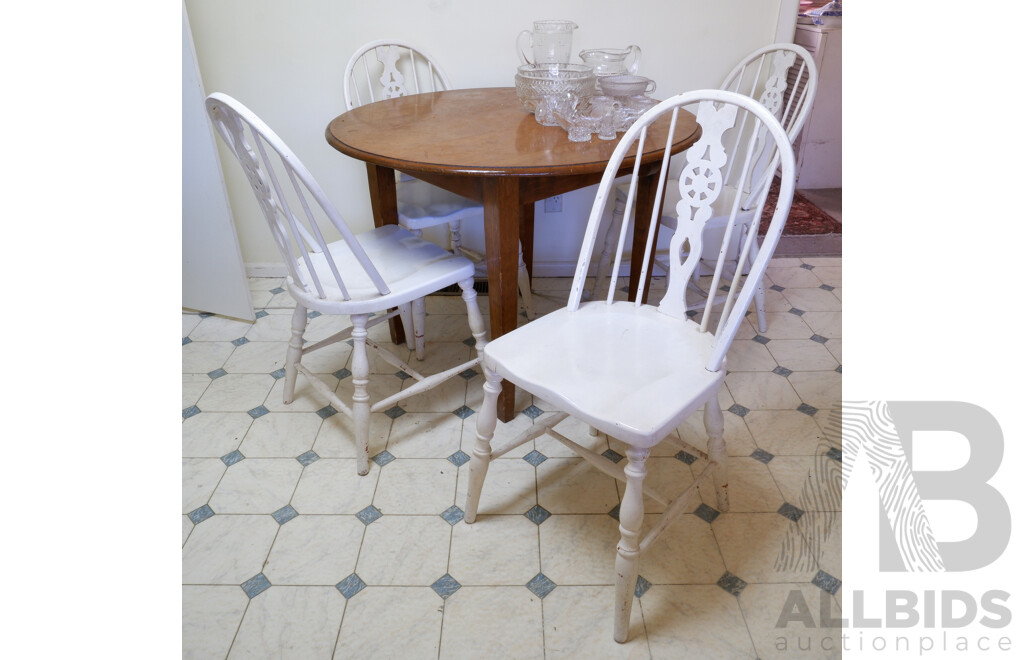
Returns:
point(535, 82)
point(627, 85)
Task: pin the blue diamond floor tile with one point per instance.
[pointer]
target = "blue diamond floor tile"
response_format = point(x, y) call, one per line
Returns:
point(232, 458)
point(463, 412)
point(350, 586)
point(202, 513)
point(642, 585)
point(535, 458)
point(537, 514)
point(453, 515)
point(533, 412)
point(827, 582)
point(686, 457)
point(383, 458)
point(737, 409)
point(258, 411)
point(787, 510)
point(706, 513)
point(255, 585)
point(284, 514)
point(541, 585)
point(369, 514)
point(731, 583)
point(445, 586)
point(307, 458)
point(612, 455)
point(459, 458)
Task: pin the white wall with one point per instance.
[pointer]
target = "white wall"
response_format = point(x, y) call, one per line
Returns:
point(285, 61)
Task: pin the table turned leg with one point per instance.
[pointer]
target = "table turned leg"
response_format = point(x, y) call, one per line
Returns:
point(384, 203)
point(645, 193)
point(501, 236)
point(526, 235)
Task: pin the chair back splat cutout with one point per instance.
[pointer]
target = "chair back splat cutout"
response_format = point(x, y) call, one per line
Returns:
point(708, 172)
point(386, 69)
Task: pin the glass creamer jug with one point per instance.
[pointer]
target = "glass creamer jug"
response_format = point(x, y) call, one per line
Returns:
point(549, 43)
point(612, 61)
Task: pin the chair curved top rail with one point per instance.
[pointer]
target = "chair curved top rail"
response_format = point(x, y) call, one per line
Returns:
point(403, 69)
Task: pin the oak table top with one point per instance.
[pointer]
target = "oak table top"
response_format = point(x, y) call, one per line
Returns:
point(482, 144)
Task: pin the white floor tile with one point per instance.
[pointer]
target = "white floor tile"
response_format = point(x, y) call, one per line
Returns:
point(339, 565)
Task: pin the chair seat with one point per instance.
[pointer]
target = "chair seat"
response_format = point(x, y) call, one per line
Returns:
point(411, 266)
point(597, 364)
point(423, 205)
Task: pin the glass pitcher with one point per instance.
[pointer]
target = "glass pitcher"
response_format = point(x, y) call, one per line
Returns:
point(549, 43)
point(612, 61)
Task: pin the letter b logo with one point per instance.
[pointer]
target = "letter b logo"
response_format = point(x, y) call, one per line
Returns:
point(882, 431)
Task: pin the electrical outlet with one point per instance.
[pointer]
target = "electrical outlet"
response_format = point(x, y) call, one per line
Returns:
point(553, 204)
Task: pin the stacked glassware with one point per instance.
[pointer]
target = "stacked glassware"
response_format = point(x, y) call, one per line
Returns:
point(604, 95)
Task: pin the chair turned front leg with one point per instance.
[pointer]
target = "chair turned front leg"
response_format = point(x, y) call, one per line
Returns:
point(455, 237)
point(419, 322)
point(631, 518)
point(480, 459)
point(714, 423)
point(405, 313)
point(361, 394)
point(475, 318)
point(299, 320)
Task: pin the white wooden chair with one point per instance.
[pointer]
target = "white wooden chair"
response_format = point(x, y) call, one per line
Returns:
point(636, 371)
point(385, 69)
point(784, 78)
point(359, 275)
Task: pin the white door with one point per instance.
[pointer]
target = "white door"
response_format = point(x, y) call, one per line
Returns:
point(212, 272)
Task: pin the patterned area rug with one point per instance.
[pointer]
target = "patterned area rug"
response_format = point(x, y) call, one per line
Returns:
point(804, 218)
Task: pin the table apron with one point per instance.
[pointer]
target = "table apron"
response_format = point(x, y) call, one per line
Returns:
point(532, 188)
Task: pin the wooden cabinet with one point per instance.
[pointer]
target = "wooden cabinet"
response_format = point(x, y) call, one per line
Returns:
point(819, 149)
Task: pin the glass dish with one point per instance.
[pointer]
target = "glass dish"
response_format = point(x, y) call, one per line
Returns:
point(627, 85)
point(605, 115)
point(534, 82)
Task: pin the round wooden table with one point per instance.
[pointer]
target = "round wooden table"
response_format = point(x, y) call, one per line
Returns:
point(482, 144)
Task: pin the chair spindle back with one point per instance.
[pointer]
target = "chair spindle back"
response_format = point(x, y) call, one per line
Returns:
point(782, 77)
point(736, 133)
point(290, 198)
point(385, 69)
